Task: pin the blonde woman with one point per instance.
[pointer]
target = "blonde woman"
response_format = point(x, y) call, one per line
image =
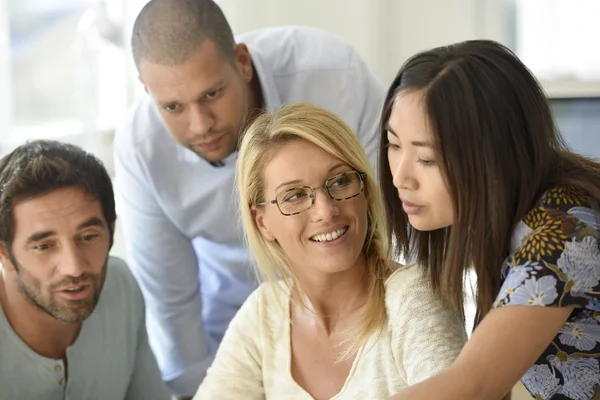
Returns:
point(336, 319)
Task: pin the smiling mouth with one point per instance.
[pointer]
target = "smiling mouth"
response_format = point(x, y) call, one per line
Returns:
point(328, 237)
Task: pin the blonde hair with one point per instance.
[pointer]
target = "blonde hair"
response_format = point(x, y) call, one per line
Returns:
point(322, 128)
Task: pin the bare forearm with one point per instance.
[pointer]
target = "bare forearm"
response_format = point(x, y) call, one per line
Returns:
point(451, 384)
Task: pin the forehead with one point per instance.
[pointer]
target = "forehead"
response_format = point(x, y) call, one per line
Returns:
point(408, 118)
point(61, 209)
point(203, 69)
point(299, 160)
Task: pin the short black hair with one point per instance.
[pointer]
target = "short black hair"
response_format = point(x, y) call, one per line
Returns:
point(42, 166)
point(166, 32)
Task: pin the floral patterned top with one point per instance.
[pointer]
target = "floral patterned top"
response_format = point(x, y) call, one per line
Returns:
point(555, 261)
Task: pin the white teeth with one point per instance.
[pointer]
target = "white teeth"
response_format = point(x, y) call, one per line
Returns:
point(328, 237)
point(75, 289)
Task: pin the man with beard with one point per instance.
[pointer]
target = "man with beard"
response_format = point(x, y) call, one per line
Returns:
point(71, 317)
point(175, 156)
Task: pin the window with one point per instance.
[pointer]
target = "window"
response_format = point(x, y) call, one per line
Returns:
point(559, 40)
point(67, 71)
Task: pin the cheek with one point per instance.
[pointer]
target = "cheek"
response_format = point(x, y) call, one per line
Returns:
point(96, 253)
point(35, 279)
point(287, 231)
point(230, 108)
point(445, 203)
point(392, 161)
point(175, 124)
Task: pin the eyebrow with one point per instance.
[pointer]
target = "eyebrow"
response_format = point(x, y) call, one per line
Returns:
point(92, 222)
point(416, 143)
point(336, 166)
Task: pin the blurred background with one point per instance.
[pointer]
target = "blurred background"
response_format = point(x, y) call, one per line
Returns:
point(66, 72)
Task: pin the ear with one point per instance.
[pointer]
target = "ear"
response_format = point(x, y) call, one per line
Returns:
point(243, 61)
point(143, 84)
point(5, 259)
point(111, 229)
point(259, 219)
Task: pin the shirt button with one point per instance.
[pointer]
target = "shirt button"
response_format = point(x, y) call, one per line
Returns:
point(57, 368)
point(62, 382)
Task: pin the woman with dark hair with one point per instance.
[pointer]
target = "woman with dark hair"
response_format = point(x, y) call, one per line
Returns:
point(476, 176)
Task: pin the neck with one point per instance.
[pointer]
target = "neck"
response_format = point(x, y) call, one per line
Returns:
point(37, 329)
point(334, 300)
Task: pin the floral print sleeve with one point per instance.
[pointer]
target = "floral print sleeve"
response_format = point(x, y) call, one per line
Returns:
point(555, 261)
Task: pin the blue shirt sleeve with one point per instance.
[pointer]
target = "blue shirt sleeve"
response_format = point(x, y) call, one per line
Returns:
point(371, 97)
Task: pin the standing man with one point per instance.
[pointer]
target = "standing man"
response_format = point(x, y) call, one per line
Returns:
point(72, 322)
point(176, 152)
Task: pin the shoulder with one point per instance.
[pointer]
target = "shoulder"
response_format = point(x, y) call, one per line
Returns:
point(426, 335)
point(286, 49)
point(559, 223)
point(263, 311)
point(409, 297)
point(407, 278)
point(555, 254)
point(120, 287)
point(267, 297)
point(408, 293)
point(142, 131)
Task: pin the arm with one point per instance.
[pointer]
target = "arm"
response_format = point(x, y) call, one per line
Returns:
point(237, 370)
point(427, 337)
point(486, 369)
point(544, 286)
point(164, 264)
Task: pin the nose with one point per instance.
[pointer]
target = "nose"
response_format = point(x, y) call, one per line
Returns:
point(325, 208)
point(72, 263)
point(403, 176)
point(200, 119)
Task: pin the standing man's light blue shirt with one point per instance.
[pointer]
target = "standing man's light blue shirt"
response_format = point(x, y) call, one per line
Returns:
point(180, 214)
point(110, 359)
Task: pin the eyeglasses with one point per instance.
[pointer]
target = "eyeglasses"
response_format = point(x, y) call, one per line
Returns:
point(339, 187)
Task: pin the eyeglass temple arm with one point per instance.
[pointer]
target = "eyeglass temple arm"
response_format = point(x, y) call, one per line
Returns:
point(264, 203)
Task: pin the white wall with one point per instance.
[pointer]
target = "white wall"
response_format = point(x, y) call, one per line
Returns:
point(385, 32)
point(5, 76)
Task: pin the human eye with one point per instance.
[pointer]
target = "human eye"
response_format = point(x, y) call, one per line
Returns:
point(426, 163)
point(294, 195)
point(213, 94)
point(42, 247)
point(340, 181)
point(89, 237)
point(172, 107)
point(392, 146)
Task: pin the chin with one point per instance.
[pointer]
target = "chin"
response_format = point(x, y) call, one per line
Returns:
point(337, 267)
point(425, 226)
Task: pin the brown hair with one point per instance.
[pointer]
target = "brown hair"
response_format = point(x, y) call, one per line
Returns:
point(168, 31)
point(499, 150)
point(41, 166)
